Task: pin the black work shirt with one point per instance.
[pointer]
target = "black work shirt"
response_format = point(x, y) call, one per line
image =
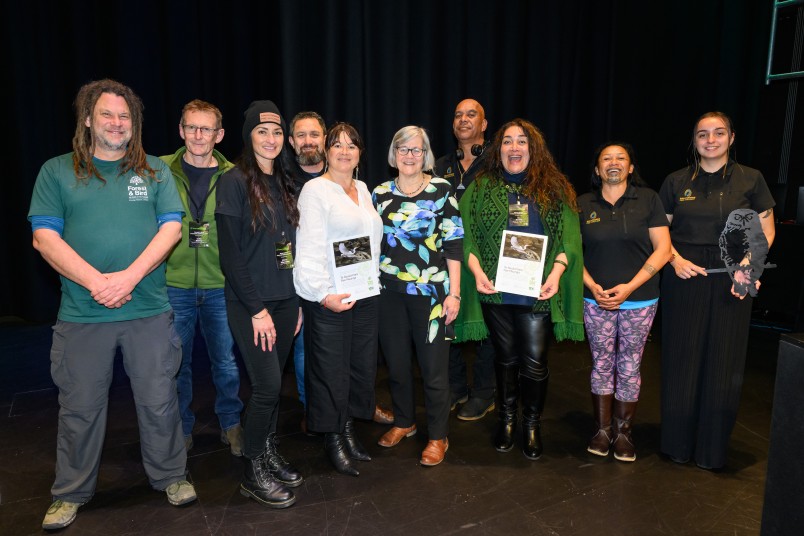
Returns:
point(449, 167)
point(701, 207)
point(248, 258)
point(616, 238)
point(301, 177)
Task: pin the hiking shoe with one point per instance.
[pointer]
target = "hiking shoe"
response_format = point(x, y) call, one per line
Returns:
point(475, 409)
point(60, 514)
point(233, 437)
point(454, 400)
point(181, 492)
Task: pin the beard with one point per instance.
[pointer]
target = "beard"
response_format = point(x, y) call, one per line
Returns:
point(310, 157)
point(105, 143)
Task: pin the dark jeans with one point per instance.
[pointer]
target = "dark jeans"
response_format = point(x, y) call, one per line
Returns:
point(264, 368)
point(482, 370)
point(207, 308)
point(298, 365)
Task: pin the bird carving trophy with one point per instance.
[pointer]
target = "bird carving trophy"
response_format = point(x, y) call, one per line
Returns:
point(744, 250)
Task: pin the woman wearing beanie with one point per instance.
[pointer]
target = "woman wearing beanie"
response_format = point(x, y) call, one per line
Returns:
point(257, 219)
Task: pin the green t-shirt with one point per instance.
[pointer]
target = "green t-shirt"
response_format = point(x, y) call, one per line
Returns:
point(108, 225)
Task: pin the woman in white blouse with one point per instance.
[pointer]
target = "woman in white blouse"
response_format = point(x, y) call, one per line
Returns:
point(338, 223)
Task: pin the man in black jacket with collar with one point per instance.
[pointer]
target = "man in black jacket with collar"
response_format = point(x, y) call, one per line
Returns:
point(460, 168)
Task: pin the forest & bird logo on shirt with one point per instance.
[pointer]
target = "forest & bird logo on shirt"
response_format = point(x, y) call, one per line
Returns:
point(137, 190)
point(592, 218)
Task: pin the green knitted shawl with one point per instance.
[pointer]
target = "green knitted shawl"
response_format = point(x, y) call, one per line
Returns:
point(484, 211)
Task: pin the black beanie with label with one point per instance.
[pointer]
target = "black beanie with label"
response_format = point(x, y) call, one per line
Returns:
point(258, 112)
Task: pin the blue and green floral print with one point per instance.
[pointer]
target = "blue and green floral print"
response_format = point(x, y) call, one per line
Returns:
point(416, 232)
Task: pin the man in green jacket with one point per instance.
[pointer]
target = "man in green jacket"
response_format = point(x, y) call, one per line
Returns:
point(194, 277)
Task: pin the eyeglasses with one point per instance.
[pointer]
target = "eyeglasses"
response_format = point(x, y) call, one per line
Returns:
point(205, 131)
point(415, 151)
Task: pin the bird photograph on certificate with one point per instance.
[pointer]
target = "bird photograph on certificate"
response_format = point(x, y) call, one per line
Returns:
point(521, 263)
point(354, 269)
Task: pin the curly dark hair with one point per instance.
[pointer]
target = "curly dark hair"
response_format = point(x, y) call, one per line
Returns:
point(544, 183)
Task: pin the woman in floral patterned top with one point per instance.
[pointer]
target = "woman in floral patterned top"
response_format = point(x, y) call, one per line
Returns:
point(419, 263)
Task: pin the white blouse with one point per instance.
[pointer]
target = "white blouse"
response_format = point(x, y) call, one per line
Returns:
point(328, 214)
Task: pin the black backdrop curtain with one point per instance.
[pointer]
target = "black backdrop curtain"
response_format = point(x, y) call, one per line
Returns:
point(583, 71)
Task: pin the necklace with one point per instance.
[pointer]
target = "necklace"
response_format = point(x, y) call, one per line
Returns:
point(412, 192)
point(513, 189)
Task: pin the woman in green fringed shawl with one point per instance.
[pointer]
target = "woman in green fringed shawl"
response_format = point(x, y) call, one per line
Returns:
point(520, 188)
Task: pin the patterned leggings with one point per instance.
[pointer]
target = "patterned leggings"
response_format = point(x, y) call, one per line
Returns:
point(617, 338)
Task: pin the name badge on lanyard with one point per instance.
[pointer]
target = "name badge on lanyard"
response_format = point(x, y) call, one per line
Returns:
point(518, 214)
point(284, 253)
point(199, 234)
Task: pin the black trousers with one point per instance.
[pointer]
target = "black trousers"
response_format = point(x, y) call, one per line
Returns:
point(520, 337)
point(704, 342)
point(340, 363)
point(264, 368)
point(404, 324)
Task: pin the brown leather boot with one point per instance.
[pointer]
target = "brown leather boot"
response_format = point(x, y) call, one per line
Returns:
point(623, 444)
point(600, 442)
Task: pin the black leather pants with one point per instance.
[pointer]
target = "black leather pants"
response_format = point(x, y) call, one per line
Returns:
point(520, 337)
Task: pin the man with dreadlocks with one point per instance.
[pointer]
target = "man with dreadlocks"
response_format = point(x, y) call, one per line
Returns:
point(105, 218)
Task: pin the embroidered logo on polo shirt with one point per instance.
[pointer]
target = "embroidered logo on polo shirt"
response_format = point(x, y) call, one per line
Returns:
point(687, 196)
point(592, 218)
point(449, 174)
point(137, 190)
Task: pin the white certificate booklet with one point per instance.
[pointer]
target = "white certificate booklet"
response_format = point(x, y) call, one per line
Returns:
point(354, 269)
point(521, 263)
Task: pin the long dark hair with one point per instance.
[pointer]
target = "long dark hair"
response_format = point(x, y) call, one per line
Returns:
point(84, 144)
point(259, 193)
point(634, 178)
point(695, 164)
point(544, 183)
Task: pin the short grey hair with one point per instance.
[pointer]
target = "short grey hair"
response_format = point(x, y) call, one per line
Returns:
point(404, 135)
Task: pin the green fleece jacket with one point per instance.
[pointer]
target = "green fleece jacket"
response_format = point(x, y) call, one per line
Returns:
point(195, 267)
point(484, 211)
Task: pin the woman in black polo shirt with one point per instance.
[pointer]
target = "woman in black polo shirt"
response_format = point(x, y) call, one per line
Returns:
point(704, 322)
point(626, 241)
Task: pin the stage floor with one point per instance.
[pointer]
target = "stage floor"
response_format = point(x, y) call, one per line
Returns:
point(475, 491)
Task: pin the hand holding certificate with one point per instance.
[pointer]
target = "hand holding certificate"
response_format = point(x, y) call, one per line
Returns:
point(521, 264)
point(354, 268)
